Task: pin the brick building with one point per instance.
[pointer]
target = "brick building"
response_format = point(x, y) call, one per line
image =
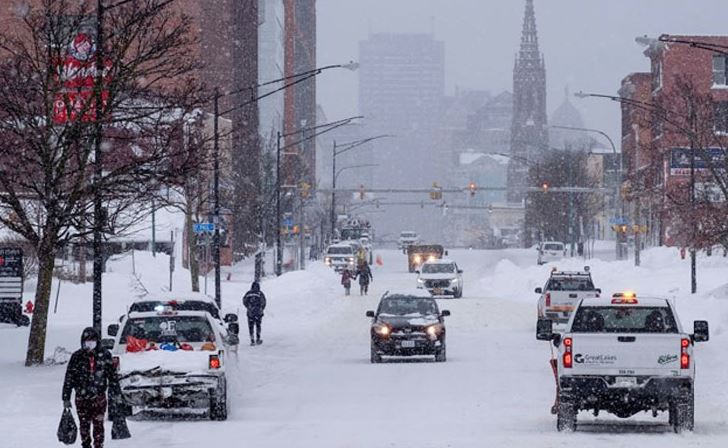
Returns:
point(678, 108)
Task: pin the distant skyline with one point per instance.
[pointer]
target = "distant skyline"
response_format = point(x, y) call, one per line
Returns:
point(588, 45)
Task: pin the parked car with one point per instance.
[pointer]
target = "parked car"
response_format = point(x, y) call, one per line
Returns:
point(550, 251)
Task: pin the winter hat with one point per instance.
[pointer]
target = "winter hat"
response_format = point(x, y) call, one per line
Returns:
point(89, 334)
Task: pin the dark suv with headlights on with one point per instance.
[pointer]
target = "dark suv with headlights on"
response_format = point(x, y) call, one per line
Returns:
point(408, 325)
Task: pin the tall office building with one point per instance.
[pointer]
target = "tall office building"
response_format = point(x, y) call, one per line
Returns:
point(271, 63)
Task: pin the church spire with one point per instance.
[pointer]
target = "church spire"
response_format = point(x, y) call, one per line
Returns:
point(529, 36)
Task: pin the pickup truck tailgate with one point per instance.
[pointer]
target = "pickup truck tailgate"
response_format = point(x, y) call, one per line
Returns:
point(626, 354)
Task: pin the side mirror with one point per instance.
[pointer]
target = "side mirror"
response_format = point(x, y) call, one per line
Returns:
point(417, 272)
point(538, 291)
point(230, 317)
point(446, 253)
point(460, 271)
point(232, 339)
point(445, 313)
point(121, 318)
point(599, 290)
point(700, 331)
point(113, 329)
point(233, 328)
point(107, 344)
point(370, 313)
point(544, 330)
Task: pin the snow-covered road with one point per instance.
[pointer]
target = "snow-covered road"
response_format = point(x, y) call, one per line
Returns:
point(311, 383)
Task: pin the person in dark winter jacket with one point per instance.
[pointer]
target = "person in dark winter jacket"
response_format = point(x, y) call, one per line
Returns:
point(90, 373)
point(254, 302)
point(346, 277)
point(365, 277)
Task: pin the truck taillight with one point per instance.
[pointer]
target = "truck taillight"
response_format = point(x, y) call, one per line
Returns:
point(684, 355)
point(568, 357)
point(548, 299)
point(214, 362)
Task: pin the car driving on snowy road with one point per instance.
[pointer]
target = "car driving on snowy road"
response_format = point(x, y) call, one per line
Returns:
point(561, 293)
point(173, 360)
point(407, 325)
point(441, 277)
point(625, 355)
point(550, 251)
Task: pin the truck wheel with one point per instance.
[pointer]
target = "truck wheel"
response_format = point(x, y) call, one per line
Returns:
point(682, 412)
point(374, 357)
point(441, 354)
point(566, 415)
point(218, 406)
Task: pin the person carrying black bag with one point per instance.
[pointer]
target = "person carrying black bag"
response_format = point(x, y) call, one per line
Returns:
point(254, 302)
point(90, 374)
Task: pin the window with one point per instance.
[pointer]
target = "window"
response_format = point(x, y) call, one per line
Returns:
point(719, 74)
point(720, 117)
point(624, 319)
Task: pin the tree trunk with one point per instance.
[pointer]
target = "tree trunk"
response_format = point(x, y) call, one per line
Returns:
point(37, 339)
point(82, 262)
point(192, 249)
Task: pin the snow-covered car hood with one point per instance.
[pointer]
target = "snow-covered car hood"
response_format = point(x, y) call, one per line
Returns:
point(408, 321)
point(178, 361)
point(443, 276)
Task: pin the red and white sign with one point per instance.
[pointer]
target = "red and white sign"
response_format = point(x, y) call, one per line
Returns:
point(76, 73)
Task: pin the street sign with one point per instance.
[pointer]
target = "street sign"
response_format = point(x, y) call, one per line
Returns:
point(11, 272)
point(203, 227)
point(618, 220)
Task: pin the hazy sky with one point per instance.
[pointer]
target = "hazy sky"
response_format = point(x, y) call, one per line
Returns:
point(588, 44)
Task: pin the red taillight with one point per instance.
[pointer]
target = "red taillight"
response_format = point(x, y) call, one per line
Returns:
point(214, 362)
point(548, 299)
point(568, 358)
point(684, 355)
point(115, 362)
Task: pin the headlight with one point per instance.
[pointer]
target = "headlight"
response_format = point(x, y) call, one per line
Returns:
point(454, 280)
point(418, 259)
point(419, 280)
point(327, 260)
point(434, 330)
point(431, 258)
point(382, 330)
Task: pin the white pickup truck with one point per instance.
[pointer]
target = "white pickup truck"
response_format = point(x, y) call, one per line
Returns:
point(625, 355)
point(171, 360)
point(562, 292)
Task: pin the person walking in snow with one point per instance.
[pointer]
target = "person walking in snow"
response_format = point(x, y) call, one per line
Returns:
point(90, 373)
point(365, 277)
point(346, 277)
point(254, 302)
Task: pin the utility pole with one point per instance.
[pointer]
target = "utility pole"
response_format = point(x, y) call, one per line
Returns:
point(98, 168)
point(333, 191)
point(693, 255)
point(216, 199)
point(279, 249)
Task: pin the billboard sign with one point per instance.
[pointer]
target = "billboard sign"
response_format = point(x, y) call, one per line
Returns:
point(680, 160)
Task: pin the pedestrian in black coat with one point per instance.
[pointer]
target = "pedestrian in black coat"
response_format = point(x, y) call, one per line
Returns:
point(365, 277)
point(90, 373)
point(254, 302)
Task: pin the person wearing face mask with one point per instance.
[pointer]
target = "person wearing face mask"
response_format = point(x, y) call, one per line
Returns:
point(90, 374)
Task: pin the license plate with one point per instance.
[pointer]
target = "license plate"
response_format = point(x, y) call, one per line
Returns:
point(437, 291)
point(408, 344)
point(625, 381)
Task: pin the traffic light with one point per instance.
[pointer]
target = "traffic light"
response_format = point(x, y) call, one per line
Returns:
point(473, 188)
point(545, 187)
point(436, 193)
point(362, 193)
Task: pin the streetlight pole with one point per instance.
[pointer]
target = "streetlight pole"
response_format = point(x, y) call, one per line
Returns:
point(335, 152)
point(216, 200)
point(98, 169)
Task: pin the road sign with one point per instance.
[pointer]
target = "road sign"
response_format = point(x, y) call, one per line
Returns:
point(203, 227)
point(618, 220)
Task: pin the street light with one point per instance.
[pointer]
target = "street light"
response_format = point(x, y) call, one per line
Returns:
point(318, 130)
point(335, 152)
point(294, 79)
point(618, 203)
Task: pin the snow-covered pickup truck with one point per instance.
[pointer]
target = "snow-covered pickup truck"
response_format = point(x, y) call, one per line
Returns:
point(625, 355)
point(173, 360)
point(562, 292)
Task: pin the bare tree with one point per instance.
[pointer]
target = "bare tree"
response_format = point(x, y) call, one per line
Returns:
point(48, 118)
